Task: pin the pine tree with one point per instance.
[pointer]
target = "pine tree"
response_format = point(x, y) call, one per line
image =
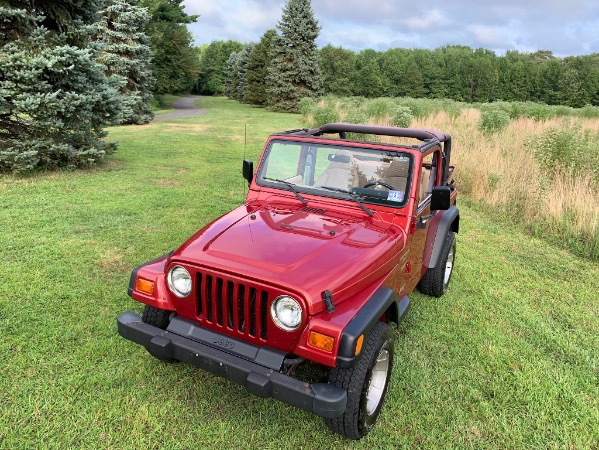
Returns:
point(232, 75)
point(295, 70)
point(55, 99)
point(242, 63)
point(257, 70)
point(124, 50)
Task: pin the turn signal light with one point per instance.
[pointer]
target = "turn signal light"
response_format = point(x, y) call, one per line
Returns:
point(359, 345)
point(146, 286)
point(321, 341)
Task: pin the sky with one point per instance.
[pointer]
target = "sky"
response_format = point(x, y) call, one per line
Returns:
point(566, 27)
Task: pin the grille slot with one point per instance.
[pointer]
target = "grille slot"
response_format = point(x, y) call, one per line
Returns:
point(240, 308)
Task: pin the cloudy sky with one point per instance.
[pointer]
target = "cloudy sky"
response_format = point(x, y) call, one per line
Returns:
point(567, 27)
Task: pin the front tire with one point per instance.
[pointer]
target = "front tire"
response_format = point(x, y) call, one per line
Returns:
point(158, 318)
point(435, 281)
point(366, 384)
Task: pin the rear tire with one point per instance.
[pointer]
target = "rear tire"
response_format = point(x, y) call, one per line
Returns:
point(435, 281)
point(366, 384)
point(158, 318)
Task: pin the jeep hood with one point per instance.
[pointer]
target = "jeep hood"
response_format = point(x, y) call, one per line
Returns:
point(303, 249)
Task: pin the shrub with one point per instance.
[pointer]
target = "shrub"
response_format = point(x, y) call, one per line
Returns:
point(305, 105)
point(380, 108)
point(568, 149)
point(452, 108)
point(321, 114)
point(493, 119)
point(402, 117)
point(589, 112)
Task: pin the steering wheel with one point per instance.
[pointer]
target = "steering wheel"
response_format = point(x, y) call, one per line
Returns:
point(379, 183)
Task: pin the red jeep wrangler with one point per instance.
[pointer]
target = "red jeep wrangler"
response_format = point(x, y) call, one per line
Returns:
point(293, 294)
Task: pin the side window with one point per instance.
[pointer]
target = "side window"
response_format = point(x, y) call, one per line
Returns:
point(428, 177)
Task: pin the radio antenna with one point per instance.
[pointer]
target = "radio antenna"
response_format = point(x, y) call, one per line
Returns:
point(245, 143)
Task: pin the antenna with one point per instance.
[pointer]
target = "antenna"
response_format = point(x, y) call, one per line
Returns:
point(245, 143)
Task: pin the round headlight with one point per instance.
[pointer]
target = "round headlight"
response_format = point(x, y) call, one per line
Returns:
point(286, 313)
point(179, 281)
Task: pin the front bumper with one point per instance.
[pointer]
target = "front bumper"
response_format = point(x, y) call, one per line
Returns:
point(254, 368)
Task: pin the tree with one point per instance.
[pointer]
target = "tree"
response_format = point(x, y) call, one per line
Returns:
point(339, 70)
point(55, 98)
point(370, 80)
point(175, 64)
point(232, 75)
point(125, 52)
point(242, 62)
point(213, 66)
point(294, 72)
point(570, 88)
point(257, 70)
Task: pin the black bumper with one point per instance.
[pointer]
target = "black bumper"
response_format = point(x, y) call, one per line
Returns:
point(322, 399)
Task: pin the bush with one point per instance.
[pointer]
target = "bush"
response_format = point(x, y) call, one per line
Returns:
point(321, 114)
point(452, 108)
point(421, 108)
point(380, 108)
point(539, 112)
point(305, 105)
point(493, 119)
point(402, 117)
point(589, 112)
point(568, 149)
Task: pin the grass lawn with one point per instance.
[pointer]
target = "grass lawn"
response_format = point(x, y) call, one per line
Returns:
point(508, 358)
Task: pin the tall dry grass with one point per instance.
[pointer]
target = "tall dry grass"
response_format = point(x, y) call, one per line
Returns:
point(499, 172)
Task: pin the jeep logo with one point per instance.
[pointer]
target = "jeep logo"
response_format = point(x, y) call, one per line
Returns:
point(221, 342)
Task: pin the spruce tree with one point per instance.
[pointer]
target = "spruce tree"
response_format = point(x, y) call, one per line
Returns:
point(55, 98)
point(257, 70)
point(125, 51)
point(242, 62)
point(294, 72)
point(232, 75)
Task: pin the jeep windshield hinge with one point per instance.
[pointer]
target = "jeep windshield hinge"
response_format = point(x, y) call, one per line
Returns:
point(327, 298)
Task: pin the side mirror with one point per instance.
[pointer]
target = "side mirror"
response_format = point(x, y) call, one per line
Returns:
point(248, 170)
point(441, 198)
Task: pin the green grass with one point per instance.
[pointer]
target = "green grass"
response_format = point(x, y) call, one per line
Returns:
point(506, 359)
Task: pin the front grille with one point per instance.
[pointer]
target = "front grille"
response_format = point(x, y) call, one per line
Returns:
point(238, 307)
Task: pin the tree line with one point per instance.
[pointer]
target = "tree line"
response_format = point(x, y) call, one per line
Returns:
point(454, 72)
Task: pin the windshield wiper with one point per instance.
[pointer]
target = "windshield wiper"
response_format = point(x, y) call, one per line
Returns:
point(291, 187)
point(353, 195)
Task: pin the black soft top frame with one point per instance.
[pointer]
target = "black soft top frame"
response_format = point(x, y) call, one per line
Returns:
point(428, 137)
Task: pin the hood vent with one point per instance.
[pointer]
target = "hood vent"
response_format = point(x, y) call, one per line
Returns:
point(314, 210)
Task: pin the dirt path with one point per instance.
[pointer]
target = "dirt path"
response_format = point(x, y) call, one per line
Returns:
point(184, 107)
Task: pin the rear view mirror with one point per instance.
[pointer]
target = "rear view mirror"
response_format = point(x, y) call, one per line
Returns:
point(338, 158)
point(441, 198)
point(248, 170)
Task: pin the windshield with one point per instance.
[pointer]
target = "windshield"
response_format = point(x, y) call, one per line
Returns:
point(372, 176)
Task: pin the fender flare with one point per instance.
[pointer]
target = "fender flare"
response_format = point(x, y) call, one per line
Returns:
point(383, 302)
point(450, 220)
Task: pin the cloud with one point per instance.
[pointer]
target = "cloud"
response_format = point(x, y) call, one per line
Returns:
point(566, 28)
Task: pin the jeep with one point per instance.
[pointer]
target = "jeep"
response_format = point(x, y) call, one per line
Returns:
point(294, 294)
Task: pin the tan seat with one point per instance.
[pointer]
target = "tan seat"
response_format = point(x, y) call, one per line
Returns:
point(396, 174)
point(425, 175)
point(338, 174)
